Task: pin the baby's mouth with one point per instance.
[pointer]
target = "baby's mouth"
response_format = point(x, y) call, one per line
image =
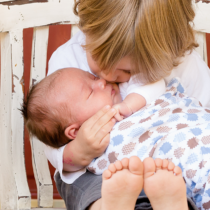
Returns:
point(113, 91)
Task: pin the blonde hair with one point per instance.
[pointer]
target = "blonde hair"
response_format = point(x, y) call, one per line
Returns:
point(154, 33)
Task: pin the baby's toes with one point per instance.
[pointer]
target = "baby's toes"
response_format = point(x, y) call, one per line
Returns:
point(165, 164)
point(171, 166)
point(158, 163)
point(112, 168)
point(106, 174)
point(125, 163)
point(118, 165)
point(177, 170)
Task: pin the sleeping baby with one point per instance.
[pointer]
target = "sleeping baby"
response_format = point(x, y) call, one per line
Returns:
point(172, 126)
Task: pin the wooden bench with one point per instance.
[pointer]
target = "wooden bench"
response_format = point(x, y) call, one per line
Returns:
point(14, 17)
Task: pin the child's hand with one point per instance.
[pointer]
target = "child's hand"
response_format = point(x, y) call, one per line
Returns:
point(122, 111)
point(93, 136)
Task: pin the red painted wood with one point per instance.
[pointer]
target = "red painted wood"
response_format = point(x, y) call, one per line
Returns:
point(58, 35)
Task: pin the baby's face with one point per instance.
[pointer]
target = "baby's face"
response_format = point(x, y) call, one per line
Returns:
point(84, 94)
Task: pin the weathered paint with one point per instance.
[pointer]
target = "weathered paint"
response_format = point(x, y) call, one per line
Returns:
point(202, 17)
point(36, 14)
point(21, 2)
point(40, 164)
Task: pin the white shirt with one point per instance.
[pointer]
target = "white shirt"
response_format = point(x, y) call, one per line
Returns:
point(192, 71)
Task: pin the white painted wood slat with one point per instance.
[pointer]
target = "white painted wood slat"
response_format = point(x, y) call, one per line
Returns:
point(202, 49)
point(40, 164)
point(202, 17)
point(24, 197)
point(36, 14)
point(8, 188)
point(5, 0)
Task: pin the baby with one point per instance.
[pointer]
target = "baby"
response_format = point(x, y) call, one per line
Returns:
point(173, 127)
point(58, 105)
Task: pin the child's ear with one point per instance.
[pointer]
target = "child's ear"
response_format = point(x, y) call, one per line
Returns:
point(71, 131)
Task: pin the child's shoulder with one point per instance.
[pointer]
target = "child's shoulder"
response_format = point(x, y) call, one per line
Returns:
point(191, 62)
point(192, 57)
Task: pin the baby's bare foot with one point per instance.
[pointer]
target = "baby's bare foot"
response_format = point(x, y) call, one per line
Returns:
point(122, 183)
point(164, 185)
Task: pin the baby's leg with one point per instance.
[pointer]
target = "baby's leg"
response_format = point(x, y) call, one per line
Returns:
point(122, 183)
point(164, 189)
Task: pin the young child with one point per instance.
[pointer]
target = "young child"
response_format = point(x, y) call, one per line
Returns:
point(168, 127)
point(123, 37)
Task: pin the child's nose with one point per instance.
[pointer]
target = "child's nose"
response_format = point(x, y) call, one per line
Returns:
point(111, 77)
point(100, 83)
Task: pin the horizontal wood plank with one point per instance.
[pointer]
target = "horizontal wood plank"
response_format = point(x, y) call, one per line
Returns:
point(20, 2)
point(36, 14)
point(202, 17)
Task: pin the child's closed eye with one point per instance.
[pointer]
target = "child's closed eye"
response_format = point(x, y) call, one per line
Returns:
point(126, 71)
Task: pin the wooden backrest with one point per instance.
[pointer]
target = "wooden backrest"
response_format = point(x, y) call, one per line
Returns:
point(14, 17)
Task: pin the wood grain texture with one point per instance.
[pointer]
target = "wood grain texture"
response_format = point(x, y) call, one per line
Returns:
point(202, 17)
point(8, 197)
point(24, 197)
point(40, 164)
point(36, 14)
point(20, 2)
point(204, 1)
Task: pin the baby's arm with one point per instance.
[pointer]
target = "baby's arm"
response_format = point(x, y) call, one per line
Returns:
point(137, 96)
point(132, 103)
point(91, 141)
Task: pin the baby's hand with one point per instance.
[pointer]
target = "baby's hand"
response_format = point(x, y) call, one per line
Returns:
point(123, 111)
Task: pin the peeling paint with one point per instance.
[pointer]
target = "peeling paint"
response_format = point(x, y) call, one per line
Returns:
point(13, 86)
point(19, 197)
point(21, 2)
point(34, 82)
point(204, 1)
point(22, 83)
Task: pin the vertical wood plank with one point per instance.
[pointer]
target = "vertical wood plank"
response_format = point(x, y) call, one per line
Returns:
point(24, 196)
point(40, 164)
point(8, 188)
point(202, 49)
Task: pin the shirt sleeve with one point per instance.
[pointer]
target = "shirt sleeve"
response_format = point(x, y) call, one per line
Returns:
point(150, 92)
point(55, 156)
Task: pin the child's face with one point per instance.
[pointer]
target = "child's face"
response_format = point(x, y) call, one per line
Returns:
point(121, 73)
point(85, 94)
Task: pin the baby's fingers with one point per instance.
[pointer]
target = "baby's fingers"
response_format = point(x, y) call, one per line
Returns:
point(118, 117)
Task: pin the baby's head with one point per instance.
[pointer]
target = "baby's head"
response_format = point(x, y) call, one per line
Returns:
point(59, 104)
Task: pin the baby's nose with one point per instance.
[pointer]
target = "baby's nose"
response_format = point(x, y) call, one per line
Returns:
point(100, 83)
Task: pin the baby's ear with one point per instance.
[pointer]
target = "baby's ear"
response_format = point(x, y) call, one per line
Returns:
point(71, 131)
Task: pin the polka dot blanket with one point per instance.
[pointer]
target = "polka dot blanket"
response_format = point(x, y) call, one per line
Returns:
point(174, 127)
